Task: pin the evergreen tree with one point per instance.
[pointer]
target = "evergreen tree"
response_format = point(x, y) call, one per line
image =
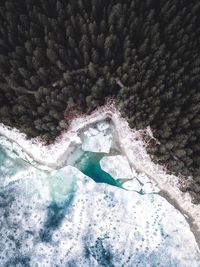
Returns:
point(146, 54)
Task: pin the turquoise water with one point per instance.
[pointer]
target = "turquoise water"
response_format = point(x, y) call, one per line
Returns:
point(64, 218)
point(89, 164)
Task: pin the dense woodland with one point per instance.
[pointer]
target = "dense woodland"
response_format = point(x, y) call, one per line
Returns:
point(60, 57)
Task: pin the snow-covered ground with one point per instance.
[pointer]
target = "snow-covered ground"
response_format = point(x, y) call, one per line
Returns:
point(133, 148)
point(53, 156)
point(63, 218)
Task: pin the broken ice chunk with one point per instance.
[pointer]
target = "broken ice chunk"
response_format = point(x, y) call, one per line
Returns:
point(143, 178)
point(99, 143)
point(93, 131)
point(117, 166)
point(103, 126)
point(132, 185)
point(149, 188)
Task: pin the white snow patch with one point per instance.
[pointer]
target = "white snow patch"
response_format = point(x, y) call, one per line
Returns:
point(103, 126)
point(149, 188)
point(132, 185)
point(143, 178)
point(93, 220)
point(54, 156)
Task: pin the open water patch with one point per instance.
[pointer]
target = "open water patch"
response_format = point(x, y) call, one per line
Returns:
point(89, 164)
point(64, 218)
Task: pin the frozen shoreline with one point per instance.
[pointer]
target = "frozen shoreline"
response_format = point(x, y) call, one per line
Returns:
point(132, 145)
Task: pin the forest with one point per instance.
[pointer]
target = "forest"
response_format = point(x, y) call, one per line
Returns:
point(61, 57)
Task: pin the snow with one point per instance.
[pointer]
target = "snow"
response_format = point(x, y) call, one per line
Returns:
point(103, 126)
point(149, 188)
point(134, 148)
point(61, 184)
point(53, 156)
point(132, 185)
point(143, 178)
point(132, 145)
point(62, 215)
point(90, 223)
point(97, 143)
point(117, 166)
point(97, 139)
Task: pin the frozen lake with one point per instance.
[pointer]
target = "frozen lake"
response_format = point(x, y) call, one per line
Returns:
point(95, 211)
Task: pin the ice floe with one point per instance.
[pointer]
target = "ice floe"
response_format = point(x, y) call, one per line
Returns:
point(132, 185)
point(117, 166)
point(63, 218)
point(40, 209)
point(88, 224)
point(98, 139)
point(131, 142)
point(143, 178)
point(149, 188)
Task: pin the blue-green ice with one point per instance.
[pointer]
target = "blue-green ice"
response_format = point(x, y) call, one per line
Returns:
point(80, 215)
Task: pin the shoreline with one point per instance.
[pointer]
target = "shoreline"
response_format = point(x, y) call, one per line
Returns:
point(53, 155)
point(132, 146)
